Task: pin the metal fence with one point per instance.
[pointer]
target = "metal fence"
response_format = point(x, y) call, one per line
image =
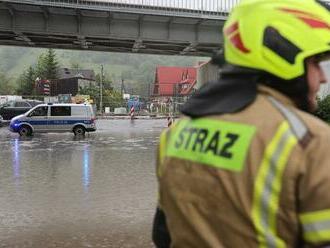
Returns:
point(213, 9)
point(208, 9)
point(200, 5)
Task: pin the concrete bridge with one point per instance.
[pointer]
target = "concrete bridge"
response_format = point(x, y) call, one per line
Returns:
point(181, 27)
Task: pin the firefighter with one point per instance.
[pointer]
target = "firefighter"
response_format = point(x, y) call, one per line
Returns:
point(170, 121)
point(248, 165)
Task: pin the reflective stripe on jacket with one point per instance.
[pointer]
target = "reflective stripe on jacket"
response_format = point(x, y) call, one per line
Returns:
point(257, 178)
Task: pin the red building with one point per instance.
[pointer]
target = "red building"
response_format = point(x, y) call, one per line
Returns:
point(42, 87)
point(174, 81)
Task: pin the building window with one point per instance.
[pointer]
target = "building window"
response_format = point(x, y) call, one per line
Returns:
point(60, 111)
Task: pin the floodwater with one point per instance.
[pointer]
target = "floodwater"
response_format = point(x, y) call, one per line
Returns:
point(97, 191)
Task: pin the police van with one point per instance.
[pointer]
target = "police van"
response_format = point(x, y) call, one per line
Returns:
point(57, 117)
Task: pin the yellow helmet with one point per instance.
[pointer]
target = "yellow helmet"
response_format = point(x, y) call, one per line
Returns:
point(276, 36)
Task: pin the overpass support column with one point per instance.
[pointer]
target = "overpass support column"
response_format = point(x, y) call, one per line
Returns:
point(46, 17)
point(109, 19)
point(13, 16)
point(207, 72)
point(138, 44)
point(169, 26)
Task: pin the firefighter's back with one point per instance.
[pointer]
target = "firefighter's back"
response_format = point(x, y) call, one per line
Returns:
point(231, 180)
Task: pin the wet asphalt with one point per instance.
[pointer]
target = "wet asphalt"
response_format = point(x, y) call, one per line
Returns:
point(60, 191)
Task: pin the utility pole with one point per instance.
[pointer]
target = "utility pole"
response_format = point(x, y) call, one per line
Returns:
point(122, 88)
point(101, 91)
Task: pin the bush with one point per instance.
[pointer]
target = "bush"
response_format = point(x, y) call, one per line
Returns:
point(323, 110)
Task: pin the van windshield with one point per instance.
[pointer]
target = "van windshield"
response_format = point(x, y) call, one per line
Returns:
point(7, 104)
point(35, 103)
point(39, 111)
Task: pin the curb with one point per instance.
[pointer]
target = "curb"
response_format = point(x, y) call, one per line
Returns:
point(4, 124)
point(128, 117)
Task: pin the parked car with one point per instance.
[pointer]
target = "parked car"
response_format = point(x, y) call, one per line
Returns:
point(11, 109)
point(57, 117)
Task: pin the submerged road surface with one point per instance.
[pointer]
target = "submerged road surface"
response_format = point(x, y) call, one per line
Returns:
point(98, 191)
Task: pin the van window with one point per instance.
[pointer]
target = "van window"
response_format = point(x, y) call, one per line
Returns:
point(40, 111)
point(60, 111)
point(22, 105)
point(9, 104)
point(78, 111)
point(35, 103)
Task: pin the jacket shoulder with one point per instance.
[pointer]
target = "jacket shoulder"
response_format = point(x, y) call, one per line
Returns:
point(316, 126)
point(305, 126)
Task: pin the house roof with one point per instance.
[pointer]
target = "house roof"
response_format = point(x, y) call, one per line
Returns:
point(169, 77)
point(64, 73)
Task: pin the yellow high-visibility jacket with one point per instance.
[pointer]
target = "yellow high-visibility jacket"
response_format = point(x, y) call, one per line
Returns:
point(256, 178)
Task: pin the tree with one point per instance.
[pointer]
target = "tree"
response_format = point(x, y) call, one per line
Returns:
point(26, 82)
point(47, 65)
point(6, 87)
point(93, 92)
point(323, 110)
point(106, 81)
point(113, 99)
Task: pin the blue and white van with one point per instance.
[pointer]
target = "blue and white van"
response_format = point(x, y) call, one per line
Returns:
point(57, 117)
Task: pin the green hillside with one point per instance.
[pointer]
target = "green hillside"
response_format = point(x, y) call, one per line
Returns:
point(136, 69)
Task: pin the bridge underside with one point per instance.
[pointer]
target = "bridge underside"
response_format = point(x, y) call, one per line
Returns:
point(100, 30)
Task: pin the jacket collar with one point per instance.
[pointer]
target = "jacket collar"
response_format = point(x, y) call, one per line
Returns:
point(228, 95)
point(265, 90)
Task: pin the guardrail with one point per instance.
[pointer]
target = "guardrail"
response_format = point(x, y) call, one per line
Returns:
point(207, 9)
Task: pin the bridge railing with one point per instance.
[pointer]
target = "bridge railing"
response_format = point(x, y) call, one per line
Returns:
point(199, 5)
point(208, 9)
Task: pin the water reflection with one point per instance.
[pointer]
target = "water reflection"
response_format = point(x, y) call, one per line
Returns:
point(101, 188)
point(16, 158)
point(86, 167)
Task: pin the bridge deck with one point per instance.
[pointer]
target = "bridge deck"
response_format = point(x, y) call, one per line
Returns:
point(181, 27)
point(115, 26)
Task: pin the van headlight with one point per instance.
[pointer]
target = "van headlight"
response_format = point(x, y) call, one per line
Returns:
point(14, 123)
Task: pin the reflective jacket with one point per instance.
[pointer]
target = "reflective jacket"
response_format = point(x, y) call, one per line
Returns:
point(256, 178)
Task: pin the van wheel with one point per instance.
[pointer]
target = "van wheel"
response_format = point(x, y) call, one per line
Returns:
point(79, 130)
point(25, 131)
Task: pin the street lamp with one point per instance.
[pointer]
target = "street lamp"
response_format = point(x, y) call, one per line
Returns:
point(101, 91)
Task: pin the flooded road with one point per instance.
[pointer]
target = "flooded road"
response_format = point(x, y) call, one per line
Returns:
point(59, 191)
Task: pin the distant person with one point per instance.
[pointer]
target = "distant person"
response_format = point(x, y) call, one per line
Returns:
point(170, 121)
point(248, 165)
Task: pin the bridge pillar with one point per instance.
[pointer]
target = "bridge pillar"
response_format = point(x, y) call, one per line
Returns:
point(207, 72)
